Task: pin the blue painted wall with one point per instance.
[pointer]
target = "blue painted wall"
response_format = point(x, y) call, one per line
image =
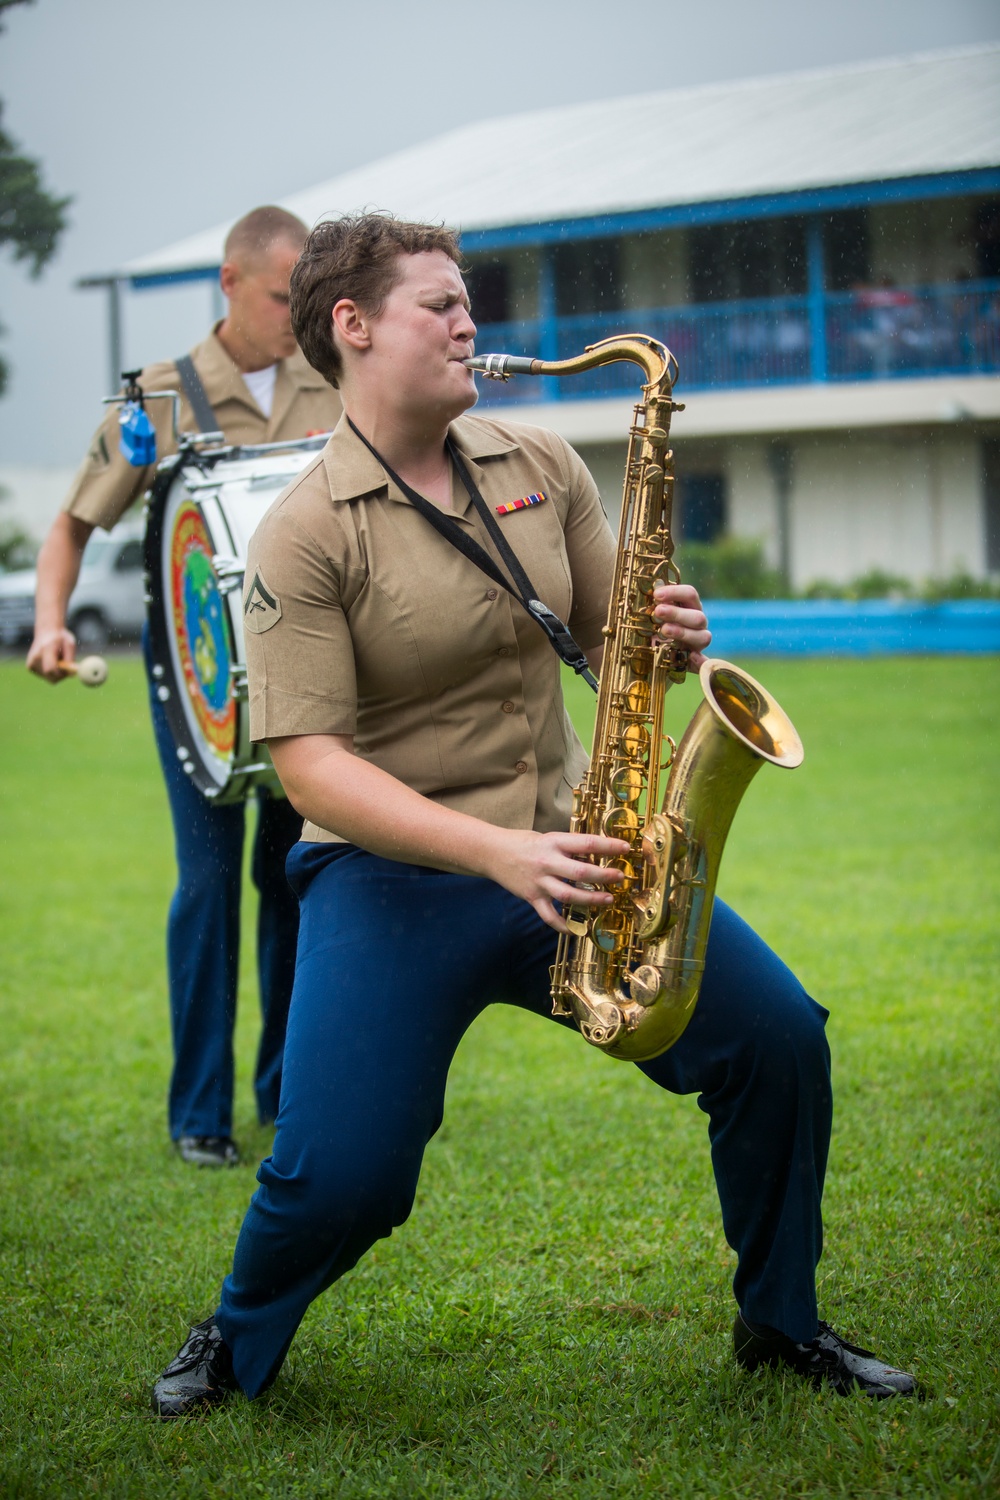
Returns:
point(834, 627)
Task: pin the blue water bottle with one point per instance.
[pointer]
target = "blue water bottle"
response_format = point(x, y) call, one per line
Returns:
point(137, 437)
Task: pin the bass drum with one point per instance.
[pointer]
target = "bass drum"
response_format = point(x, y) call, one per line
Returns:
point(202, 511)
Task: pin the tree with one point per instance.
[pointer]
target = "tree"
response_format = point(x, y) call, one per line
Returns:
point(31, 219)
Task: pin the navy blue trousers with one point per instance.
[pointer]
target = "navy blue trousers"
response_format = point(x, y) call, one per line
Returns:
point(203, 945)
point(394, 964)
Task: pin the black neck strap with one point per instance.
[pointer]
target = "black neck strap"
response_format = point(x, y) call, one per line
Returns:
point(521, 589)
point(205, 419)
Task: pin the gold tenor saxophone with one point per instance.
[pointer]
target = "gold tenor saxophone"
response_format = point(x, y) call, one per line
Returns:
point(630, 972)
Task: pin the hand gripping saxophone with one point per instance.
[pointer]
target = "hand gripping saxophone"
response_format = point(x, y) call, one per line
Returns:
point(630, 972)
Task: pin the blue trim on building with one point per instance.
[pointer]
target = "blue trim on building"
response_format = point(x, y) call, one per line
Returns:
point(836, 627)
point(729, 210)
point(172, 278)
point(815, 294)
point(678, 215)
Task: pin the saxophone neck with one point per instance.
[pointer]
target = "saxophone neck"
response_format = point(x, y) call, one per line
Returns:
point(655, 359)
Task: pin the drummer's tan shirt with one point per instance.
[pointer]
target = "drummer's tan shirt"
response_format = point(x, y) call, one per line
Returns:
point(106, 483)
point(360, 619)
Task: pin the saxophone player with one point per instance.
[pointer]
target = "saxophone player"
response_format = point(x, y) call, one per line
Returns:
point(413, 710)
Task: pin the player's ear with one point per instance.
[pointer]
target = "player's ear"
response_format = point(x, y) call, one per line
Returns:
point(229, 277)
point(350, 324)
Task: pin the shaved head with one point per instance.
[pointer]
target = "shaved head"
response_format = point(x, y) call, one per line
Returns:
point(260, 251)
point(250, 241)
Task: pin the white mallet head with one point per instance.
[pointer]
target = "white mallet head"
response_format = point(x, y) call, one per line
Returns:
point(92, 671)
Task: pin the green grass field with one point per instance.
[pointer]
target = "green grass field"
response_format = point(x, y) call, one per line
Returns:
point(555, 1318)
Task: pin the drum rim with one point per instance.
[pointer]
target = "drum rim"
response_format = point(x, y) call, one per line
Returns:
point(218, 767)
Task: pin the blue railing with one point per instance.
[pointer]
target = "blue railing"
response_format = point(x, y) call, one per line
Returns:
point(878, 333)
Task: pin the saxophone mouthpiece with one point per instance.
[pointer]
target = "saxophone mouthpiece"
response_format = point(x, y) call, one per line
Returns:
point(502, 366)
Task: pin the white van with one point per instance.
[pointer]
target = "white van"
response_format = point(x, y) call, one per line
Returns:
point(108, 601)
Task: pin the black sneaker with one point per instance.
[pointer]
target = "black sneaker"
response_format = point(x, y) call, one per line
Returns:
point(201, 1375)
point(208, 1150)
point(825, 1360)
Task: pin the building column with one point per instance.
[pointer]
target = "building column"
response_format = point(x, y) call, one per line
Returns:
point(548, 328)
point(990, 450)
point(779, 457)
point(816, 293)
point(116, 340)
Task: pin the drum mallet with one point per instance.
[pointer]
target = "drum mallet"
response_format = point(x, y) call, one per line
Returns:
point(91, 671)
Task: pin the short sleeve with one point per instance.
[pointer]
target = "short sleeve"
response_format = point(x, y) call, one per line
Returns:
point(299, 654)
point(106, 484)
point(590, 549)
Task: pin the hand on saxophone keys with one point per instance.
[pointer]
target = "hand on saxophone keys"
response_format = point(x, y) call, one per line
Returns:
point(552, 870)
point(678, 612)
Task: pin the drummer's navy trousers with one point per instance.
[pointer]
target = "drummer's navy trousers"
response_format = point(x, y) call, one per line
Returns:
point(203, 944)
point(394, 964)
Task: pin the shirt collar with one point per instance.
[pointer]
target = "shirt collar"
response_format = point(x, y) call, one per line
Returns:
point(224, 382)
point(353, 471)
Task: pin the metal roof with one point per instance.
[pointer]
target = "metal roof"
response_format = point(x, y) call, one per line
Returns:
point(909, 117)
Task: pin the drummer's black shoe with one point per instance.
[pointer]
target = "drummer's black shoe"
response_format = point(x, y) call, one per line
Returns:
point(208, 1150)
point(825, 1360)
point(201, 1375)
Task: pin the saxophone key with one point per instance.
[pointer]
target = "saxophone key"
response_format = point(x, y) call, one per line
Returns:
point(634, 743)
point(620, 823)
point(627, 784)
point(645, 985)
point(630, 872)
point(637, 696)
point(609, 931)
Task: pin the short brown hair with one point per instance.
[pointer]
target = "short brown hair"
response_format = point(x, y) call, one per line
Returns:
point(354, 257)
point(253, 237)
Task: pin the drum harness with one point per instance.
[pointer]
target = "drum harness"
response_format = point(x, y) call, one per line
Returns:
point(205, 422)
point(204, 417)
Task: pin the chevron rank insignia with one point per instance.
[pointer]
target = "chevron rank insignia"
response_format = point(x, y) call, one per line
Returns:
point(261, 608)
point(512, 505)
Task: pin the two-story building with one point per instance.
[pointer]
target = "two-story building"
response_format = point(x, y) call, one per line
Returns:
point(820, 250)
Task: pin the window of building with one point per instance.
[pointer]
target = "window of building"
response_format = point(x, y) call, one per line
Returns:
point(701, 507)
point(987, 235)
point(847, 249)
point(488, 285)
point(760, 258)
point(588, 277)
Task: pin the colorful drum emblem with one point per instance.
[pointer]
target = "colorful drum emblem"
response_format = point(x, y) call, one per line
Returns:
point(200, 631)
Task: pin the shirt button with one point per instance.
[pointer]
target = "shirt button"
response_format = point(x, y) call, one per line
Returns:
point(503, 651)
point(521, 767)
point(491, 593)
point(507, 707)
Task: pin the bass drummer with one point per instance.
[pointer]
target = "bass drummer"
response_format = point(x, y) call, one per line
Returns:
point(250, 378)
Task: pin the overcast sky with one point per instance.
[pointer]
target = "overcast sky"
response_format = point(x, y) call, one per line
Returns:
point(163, 119)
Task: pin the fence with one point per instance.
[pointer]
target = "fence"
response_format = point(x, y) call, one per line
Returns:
point(872, 333)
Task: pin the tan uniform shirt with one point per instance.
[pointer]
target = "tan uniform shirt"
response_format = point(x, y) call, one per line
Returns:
point(362, 620)
point(107, 484)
